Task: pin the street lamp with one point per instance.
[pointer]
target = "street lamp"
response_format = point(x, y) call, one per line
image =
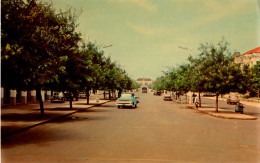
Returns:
point(103, 46)
point(190, 49)
point(106, 46)
point(185, 48)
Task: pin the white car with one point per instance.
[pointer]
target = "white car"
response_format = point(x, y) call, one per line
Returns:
point(167, 97)
point(57, 97)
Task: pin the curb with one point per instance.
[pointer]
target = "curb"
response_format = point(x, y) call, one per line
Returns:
point(179, 102)
point(220, 116)
point(47, 121)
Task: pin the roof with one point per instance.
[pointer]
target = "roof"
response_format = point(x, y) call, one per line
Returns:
point(144, 79)
point(256, 50)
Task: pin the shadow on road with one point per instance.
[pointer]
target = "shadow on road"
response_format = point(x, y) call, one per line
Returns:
point(38, 137)
point(34, 116)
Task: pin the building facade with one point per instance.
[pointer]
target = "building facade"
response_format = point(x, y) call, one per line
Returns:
point(250, 57)
point(144, 81)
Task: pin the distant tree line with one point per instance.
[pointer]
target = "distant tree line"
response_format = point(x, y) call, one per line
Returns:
point(213, 70)
point(42, 50)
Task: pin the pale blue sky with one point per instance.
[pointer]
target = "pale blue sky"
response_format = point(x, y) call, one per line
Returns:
point(145, 34)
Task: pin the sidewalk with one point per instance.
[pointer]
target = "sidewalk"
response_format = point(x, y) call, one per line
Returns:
point(243, 101)
point(222, 113)
point(21, 117)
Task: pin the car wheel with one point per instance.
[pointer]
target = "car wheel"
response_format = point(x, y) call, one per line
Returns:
point(118, 107)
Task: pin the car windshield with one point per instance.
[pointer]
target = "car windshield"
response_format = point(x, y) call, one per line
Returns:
point(126, 95)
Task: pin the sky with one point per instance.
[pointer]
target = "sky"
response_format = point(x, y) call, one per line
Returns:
point(148, 36)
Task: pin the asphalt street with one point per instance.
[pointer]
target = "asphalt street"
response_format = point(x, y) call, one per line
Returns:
point(156, 131)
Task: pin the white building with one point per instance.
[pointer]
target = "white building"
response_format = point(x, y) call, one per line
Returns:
point(250, 57)
point(144, 81)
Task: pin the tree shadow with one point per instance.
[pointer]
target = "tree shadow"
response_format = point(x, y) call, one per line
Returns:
point(33, 116)
point(37, 137)
point(11, 135)
point(106, 105)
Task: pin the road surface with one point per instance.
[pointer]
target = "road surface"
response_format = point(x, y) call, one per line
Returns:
point(156, 131)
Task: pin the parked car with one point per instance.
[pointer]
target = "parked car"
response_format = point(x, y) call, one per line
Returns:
point(127, 99)
point(233, 99)
point(57, 97)
point(157, 93)
point(167, 97)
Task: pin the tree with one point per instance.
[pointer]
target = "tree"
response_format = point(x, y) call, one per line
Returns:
point(198, 77)
point(183, 83)
point(35, 42)
point(252, 79)
point(222, 75)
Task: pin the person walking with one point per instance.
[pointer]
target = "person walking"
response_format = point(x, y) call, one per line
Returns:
point(196, 102)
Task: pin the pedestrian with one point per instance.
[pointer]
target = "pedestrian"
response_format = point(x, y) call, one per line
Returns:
point(196, 102)
point(194, 95)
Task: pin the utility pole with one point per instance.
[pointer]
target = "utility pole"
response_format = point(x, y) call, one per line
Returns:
point(189, 49)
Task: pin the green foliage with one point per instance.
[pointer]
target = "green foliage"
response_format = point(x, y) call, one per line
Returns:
point(252, 76)
point(40, 49)
point(218, 72)
point(214, 70)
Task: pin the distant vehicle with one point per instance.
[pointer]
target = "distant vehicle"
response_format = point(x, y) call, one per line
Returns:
point(127, 99)
point(157, 93)
point(233, 99)
point(167, 97)
point(144, 90)
point(57, 97)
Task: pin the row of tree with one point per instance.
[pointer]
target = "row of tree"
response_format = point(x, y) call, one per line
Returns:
point(213, 70)
point(42, 50)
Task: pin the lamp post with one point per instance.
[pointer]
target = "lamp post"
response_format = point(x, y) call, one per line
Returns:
point(101, 46)
point(106, 46)
point(189, 49)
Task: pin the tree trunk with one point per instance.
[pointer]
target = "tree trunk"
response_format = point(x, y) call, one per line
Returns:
point(119, 93)
point(87, 94)
point(104, 95)
point(217, 102)
point(199, 100)
point(38, 91)
point(186, 97)
point(109, 94)
point(70, 97)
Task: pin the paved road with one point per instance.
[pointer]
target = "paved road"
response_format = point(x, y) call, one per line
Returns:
point(157, 131)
